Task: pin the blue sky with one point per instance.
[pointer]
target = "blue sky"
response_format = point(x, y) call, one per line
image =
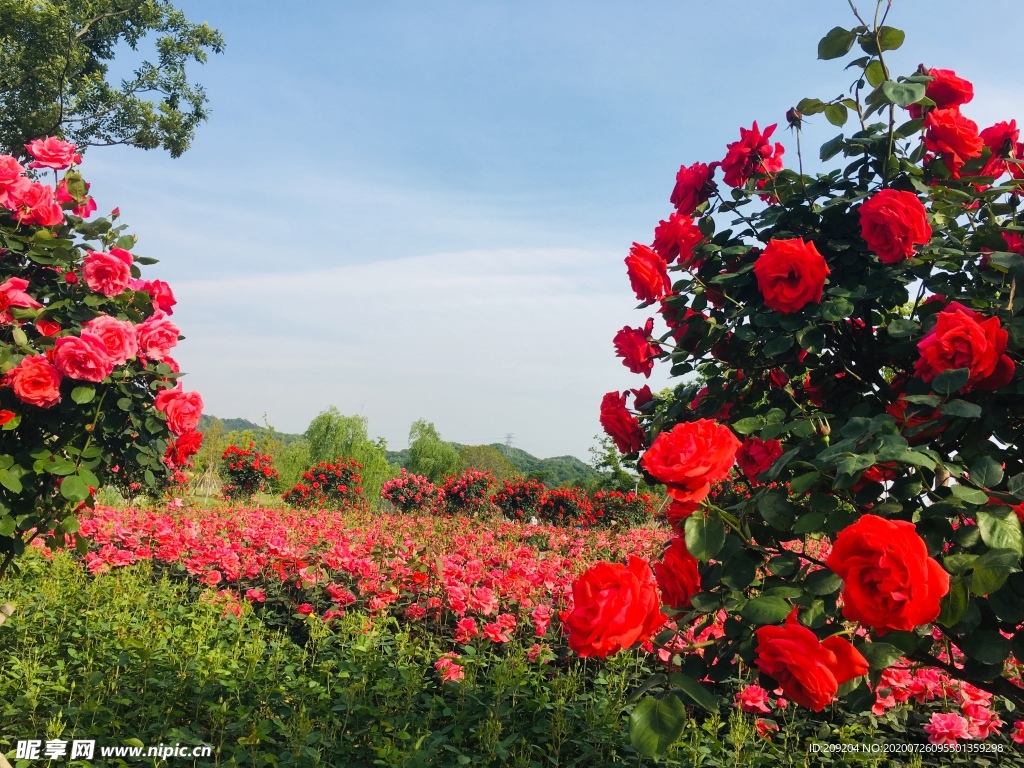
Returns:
point(420, 210)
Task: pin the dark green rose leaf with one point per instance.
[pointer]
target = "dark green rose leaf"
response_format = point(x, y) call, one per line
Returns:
point(700, 695)
point(880, 655)
point(766, 610)
point(655, 724)
point(83, 394)
point(986, 472)
point(953, 380)
point(1000, 528)
point(705, 535)
point(836, 43)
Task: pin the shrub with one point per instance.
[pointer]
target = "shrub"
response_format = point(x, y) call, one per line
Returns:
point(248, 472)
point(566, 506)
point(89, 394)
point(519, 498)
point(468, 493)
point(410, 493)
point(614, 508)
point(328, 486)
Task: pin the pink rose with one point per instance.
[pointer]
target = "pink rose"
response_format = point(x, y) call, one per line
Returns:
point(108, 273)
point(183, 409)
point(34, 203)
point(10, 171)
point(83, 357)
point(118, 336)
point(12, 294)
point(52, 152)
point(159, 291)
point(35, 381)
point(946, 728)
point(157, 336)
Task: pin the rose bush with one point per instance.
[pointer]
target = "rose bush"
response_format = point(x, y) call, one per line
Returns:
point(247, 472)
point(328, 485)
point(857, 336)
point(85, 393)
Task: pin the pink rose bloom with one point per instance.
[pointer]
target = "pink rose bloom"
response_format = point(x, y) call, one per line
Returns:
point(159, 291)
point(157, 336)
point(753, 699)
point(12, 294)
point(256, 595)
point(982, 722)
point(212, 578)
point(946, 728)
point(52, 152)
point(34, 203)
point(35, 381)
point(465, 630)
point(108, 273)
point(305, 609)
point(496, 633)
point(1018, 732)
point(183, 409)
point(118, 336)
point(10, 171)
point(83, 207)
point(83, 357)
point(450, 671)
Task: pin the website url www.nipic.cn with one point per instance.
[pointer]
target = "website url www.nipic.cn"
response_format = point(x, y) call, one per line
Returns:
point(87, 749)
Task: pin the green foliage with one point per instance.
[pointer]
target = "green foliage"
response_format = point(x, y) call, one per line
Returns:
point(54, 60)
point(429, 455)
point(332, 435)
point(486, 458)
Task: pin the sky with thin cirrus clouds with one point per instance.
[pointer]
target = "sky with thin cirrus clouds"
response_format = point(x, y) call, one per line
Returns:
point(420, 210)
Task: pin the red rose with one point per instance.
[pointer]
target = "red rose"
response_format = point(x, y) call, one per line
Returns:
point(961, 339)
point(83, 357)
point(676, 238)
point(790, 274)
point(108, 273)
point(756, 456)
point(751, 154)
point(890, 582)
point(677, 512)
point(892, 223)
point(620, 425)
point(35, 381)
point(636, 349)
point(157, 335)
point(183, 409)
point(642, 396)
point(647, 274)
point(947, 91)
point(1001, 140)
point(953, 137)
point(6, 416)
point(809, 671)
point(184, 448)
point(677, 575)
point(694, 185)
point(614, 606)
point(690, 457)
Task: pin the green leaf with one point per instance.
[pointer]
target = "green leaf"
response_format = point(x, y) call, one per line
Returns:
point(73, 488)
point(655, 724)
point(875, 73)
point(900, 328)
point(766, 610)
point(987, 646)
point(812, 521)
point(83, 395)
point(836, 43)
point(811, 106)
point(835, 310)
point(778, 345)
point(776, 510)
point(837, 114)
point(890, 38)
point(970, 495)
point(10, 481)
point(1015, 485)
point(748, 425)
point(880, 655)
point(700, 695)
point(961, 409)
point(804, 483)
point(954, 605)
point(832, 147)
point(822, 582)
point(705, 535)
point(953, 380)
point(986, 472)
point(1000, 528)
point(992, 569)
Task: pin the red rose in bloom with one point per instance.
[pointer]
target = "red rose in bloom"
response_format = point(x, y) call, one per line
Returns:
point(52, 152)
point(809, 671)
point(12, 294)
point(159, 291)
point(642, 396)
point(677, 512)
point(790, 274)
point(620, 425)
point(34, 203)
point(83, 357)
point(647, 274)
point(184, 448)
point(47, 327)
point(157, 336)
point(694, 185)
point(35, 381)
point(751, 154)
point(892, 223)
point(676, 238)
point(633, 345)
point(1001, 139)
point(108, 273)
point(118, 336)
point(947, 91)
point(183, 409)
point(961, 339)
point(690, 457)
point(614, 606)
point(953, 137)
point(890, 582)
point(756, 456)
point(677, 575)
point(686, 326)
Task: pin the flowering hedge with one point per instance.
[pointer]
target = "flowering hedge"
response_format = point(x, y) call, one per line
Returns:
point(468, 493)
point(89, 394)
point(328, 485)
point(858, 335)
point(247, 471)
point(410, 493)
point(519, 498)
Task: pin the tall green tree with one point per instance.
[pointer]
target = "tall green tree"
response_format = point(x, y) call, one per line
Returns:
point(54, 73)
point(429, 455)
point(331, 435)
point(487, 459)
